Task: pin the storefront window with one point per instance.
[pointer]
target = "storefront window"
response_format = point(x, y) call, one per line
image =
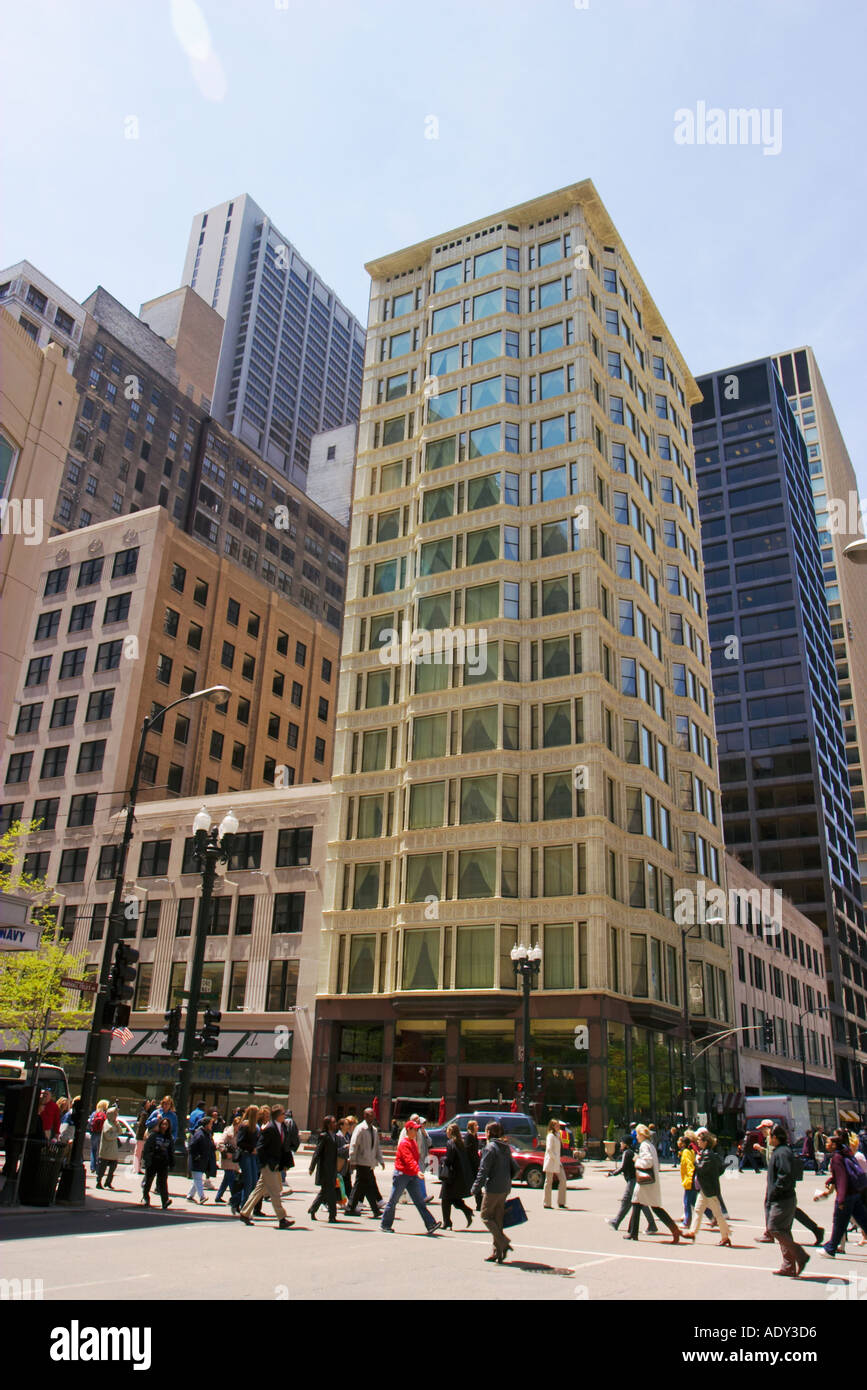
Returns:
point(640, 1074)
point(487, 1040)
point(361, 1042)
point(616, 1082)
point(422, 1040)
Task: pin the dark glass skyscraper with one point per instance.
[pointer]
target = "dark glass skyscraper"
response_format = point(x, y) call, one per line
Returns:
point(787, 803)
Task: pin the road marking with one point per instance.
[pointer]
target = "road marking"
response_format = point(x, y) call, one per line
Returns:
point(589, 1263)
point(101, 1235)
point(652, 1259)
point(127, 1279)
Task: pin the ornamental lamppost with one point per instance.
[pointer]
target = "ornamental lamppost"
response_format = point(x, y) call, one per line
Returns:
point(527, 963)
point(71, 1187)
point(856, 551)
point(212, 847)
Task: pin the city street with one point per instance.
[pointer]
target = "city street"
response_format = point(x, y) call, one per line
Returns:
point(117, 1250)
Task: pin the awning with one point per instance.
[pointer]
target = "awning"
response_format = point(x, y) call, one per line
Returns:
point(849, 1117)
point(792, 1083)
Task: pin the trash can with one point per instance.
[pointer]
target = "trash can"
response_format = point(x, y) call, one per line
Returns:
point(40, 1171)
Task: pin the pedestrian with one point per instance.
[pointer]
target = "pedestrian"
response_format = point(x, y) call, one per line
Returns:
point(474, 1154)
point(158, 1156)
point(820, 1141)
point(675, 1150)
point(849, 1182)
point(141, 1132)
point(456, 1177)
point(687, 1176)
point(365, 1151)
point(109, 1151)
point(709, 1168)
point(246, 1141)
point(753, 1149)
point(647, 1189)
point(767, 1236)
point(194, 1117)
point(407, 1178)
point(552, 1166)
point(271, 1153)
point(68, 1121)
point(324, 1167)
point(203, 1159)
point(627, 1172)
point(166, 1107)
point(49, 1114)
point(497, 1168)
point(782, 1201)
point(228, 1151)
point(97, 1120)
point(291, 1145)
point(342, 1135)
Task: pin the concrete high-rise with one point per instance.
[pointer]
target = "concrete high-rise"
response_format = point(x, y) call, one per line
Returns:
point(292, 355)
point(787, 802)
point(524, 483)
point(839, 517)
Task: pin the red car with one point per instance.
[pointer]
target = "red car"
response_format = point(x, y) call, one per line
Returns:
point(529, 1163)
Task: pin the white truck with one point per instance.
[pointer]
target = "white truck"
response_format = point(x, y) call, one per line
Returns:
point(793, 1112)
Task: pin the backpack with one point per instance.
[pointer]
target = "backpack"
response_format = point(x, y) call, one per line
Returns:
point(857, 1178)
point(97, 1122)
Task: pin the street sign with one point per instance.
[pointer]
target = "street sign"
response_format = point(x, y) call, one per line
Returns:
point(85, 986)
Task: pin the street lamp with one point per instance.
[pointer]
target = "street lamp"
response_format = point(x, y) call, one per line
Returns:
point(212, 846)
point(527, 963)
point(71, 1187)
point(805, 1013)
point(856, 551)
point(688, 1076)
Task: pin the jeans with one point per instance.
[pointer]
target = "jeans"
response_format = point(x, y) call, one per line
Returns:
point(230, 1175)
point(415, 1188)
point(627, 1203)
point(851, 1208)
point(198, 1187)
point(689, 1199)
point(249, 1176)
point(754, 1161)
point(94, 1152)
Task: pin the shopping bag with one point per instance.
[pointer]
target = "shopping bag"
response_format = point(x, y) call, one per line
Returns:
point(513, 1212)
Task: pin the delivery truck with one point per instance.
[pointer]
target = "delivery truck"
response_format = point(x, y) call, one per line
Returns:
point(792, 1112)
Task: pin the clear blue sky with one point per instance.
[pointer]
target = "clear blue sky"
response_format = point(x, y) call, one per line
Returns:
point(318, 110)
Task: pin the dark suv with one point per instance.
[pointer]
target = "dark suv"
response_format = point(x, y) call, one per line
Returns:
point(520, 1130)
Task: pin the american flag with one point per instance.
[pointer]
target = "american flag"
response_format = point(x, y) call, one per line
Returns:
point(123, 1035)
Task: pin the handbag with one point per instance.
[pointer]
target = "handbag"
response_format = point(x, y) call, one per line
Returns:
point(513, 1212)
point(642, 1177)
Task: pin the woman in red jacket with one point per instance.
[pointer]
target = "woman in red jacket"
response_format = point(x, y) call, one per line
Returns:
point(407, 1178)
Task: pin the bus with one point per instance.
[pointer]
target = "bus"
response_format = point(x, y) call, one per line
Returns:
point(19, 1068)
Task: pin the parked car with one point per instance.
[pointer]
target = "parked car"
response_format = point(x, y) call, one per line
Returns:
point(520, 1130)
point(530, 1165)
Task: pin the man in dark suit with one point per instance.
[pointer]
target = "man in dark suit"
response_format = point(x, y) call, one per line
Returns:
point(271, 1151)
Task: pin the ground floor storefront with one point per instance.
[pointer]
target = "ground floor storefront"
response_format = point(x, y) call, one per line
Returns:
point(468, 1053)
point(246, 1069)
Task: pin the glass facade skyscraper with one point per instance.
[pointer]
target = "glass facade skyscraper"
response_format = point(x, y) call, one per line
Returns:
point(782, 760)
point(292, 356)
point(524, 746)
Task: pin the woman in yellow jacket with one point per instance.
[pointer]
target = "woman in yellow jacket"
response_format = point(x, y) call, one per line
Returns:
point(687, 1175)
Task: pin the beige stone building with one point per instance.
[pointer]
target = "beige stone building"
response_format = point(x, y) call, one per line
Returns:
point(525, 499)
point(37, 408)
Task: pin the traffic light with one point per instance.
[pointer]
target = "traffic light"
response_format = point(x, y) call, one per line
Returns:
point(538, 1073)
point(121, 980)
point(172, 1031)
point(209, 1038)
point(768, 1032)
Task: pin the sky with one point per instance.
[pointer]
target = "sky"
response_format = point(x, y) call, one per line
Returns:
point(362, 126)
